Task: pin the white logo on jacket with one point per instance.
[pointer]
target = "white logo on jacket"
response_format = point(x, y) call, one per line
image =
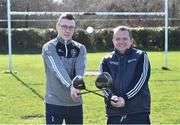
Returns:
point(73, 52)
point(131, 60)
point(60, 50)
point(114, 63)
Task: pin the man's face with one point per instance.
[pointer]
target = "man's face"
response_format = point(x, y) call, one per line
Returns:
point(66, 28)
point(122, 41)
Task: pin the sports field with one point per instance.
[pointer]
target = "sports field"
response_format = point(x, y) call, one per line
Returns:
point(22, 94)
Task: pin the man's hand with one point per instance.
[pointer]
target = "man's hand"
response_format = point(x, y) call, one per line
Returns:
point(120, 102)
point(74, 93)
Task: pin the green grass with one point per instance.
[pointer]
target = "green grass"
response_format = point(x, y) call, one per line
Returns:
point(21, 94)
point(94, 59)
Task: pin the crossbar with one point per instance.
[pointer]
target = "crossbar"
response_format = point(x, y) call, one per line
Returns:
point(11, 13)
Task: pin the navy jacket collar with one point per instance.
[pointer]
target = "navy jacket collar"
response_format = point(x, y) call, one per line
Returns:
point(127, 52)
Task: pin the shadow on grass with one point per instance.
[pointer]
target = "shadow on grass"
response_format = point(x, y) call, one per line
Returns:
point(27, 86)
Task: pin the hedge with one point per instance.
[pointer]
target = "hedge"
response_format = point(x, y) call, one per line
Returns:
point(32, 40)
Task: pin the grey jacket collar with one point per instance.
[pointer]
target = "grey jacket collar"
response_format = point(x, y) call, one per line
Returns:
point(60, 39)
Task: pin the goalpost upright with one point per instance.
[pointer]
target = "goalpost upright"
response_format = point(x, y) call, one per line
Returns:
point(11, 13)
point(10, 69)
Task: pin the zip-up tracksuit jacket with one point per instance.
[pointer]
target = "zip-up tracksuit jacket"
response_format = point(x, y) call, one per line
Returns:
point(63, 61)
point(130, 73)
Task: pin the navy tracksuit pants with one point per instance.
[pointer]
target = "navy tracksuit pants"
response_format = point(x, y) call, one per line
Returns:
point(138, 118)
point(55, 114)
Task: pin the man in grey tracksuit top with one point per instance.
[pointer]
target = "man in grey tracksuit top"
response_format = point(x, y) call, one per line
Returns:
point(64, 59)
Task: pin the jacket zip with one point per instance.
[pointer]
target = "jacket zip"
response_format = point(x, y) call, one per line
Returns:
point(121, 60)
point(66, 48)
point(122, 72)
point(123, 66)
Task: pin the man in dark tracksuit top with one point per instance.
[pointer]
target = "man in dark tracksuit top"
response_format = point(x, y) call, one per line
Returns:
point(64, 59)
point(130, 71)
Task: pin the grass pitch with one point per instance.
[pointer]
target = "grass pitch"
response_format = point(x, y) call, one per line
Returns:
point(22, 94)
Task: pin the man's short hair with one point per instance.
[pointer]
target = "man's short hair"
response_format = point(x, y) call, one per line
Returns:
point(66, 15)
point(122, 28)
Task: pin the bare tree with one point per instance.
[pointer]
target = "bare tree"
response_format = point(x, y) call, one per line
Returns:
point(174, 12)
point(93, 6)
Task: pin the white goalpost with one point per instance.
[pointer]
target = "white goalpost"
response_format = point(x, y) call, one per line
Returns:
point(164, 13)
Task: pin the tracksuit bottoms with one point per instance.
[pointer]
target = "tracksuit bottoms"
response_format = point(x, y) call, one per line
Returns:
point(55, 114)
point(137, 118)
